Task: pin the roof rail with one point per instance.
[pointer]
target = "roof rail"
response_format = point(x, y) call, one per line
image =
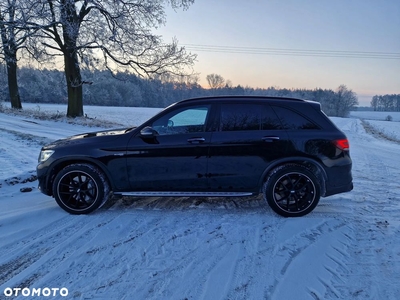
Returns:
point(244, 97)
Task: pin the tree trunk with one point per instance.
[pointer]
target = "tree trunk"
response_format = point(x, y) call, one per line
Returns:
point(71, 62)
point(13, 83)
point(10, 53)
point(74, 85)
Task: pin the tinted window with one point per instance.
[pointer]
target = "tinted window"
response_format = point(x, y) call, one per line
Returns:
point(270, 120)
point(187, 120)
point(235, 117)
point(293, 120)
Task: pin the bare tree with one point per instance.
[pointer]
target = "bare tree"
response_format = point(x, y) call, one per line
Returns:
point(386, 102)
point(345, 100)
point(108, 34)
point(374, 102)
point(14, 31)
point(215, 81)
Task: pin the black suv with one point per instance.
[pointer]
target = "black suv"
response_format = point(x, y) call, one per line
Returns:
point(285, 148)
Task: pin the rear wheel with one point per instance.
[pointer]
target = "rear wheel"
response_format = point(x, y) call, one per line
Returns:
point(80, 188)
point(292, 191)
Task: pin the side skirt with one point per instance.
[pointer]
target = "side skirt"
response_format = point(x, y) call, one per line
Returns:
point(184, 194)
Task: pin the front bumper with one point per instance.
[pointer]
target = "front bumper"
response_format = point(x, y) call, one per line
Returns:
point(43, 182)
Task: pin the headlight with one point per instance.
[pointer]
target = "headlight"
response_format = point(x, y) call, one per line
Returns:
point(45, 154)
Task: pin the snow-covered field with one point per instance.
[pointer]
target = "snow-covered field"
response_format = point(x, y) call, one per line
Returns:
point(128, 116)
point(195, 248)
point(376, 115)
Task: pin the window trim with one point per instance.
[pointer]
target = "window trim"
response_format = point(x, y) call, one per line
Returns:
point(295, 112)
point(177, 110)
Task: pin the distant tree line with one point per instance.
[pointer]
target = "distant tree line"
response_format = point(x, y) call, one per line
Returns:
point(386, 102)
point(126, 89)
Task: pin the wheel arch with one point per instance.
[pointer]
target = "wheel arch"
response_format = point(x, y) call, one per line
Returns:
point(310, 164)
point(60, 164)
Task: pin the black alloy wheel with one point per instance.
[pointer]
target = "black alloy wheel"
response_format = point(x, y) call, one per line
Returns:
point(80, 188)
point(292, 191)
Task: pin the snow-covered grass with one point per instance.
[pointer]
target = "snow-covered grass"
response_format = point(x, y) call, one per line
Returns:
point(94, 115)
point(376, 115)
point(198, 248)
point(383, 129)
point(382, 124)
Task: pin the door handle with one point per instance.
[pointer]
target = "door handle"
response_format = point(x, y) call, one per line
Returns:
point(270, 139)
point(196, 140)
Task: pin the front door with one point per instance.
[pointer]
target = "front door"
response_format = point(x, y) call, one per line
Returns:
point(174, 158)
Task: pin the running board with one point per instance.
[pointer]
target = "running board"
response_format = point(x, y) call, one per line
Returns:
point(184, 194)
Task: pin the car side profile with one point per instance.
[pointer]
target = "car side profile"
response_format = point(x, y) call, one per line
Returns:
point(285, 148)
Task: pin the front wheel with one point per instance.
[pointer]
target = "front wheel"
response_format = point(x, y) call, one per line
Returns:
point(292, 191)
point(80, 188)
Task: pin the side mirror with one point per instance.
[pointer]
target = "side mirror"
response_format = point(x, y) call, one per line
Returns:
point(148, 132)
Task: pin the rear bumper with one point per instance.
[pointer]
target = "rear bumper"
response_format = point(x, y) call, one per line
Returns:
point(338, 189)
point(340, 180)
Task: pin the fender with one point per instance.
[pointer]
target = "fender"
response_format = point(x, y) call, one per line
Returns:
point(59, 164)
point(300, 160)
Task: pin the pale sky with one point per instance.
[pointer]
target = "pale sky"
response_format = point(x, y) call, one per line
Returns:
point(244, 34)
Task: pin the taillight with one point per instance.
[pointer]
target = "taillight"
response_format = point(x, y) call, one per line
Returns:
point(342, 144)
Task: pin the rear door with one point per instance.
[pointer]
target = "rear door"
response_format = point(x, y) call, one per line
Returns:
point(248, 137)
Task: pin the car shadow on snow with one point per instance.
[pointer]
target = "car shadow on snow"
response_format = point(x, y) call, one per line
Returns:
point(328, 207)
point(245, 204)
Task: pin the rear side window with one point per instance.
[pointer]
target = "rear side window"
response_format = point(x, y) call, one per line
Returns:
point(242, 117)
point(237, 117)
point(292, 120)
point(269, 120)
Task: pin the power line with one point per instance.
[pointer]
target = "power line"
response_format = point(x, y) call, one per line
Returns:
point(292, 52)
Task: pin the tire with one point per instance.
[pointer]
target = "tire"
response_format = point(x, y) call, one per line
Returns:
point(292, 191)
point(80, 188)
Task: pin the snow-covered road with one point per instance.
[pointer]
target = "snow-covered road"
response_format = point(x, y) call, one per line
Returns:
point(200, 248)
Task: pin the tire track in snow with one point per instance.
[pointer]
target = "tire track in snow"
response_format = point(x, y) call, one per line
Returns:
point(163, 252)
point(165, 255)
point(47, 248)
point(181, 259)
point(37, 237)
point(8, 155)
point(78, 230)
point(15, 266)
point(374, 171)
point(326, 244)
point(220, 276)
point(254, 275)
point(96, 250)
point(202, 265)
point(373, 270)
